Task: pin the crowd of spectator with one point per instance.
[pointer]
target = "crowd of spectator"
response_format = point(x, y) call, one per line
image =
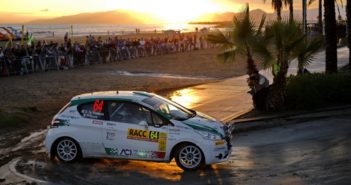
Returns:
point(43, 56)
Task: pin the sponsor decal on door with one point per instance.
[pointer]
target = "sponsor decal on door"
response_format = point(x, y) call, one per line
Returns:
point(144, 135)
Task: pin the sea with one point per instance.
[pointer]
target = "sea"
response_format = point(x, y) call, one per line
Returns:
point(50, 30)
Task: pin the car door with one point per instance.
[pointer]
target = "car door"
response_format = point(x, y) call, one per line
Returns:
point(131, 133)
point(88, 128)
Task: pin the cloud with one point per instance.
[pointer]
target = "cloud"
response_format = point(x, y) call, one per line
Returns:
point(44, 10)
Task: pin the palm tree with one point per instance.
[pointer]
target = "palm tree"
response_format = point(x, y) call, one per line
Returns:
point(320, 20)
point(290, 3)
point(278, 5)
point(330, 37)
point(284, 41)
point(281, 37)
point(348, 16)
point(239, 41)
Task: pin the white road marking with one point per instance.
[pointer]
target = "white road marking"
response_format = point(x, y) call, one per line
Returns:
point(12, 168)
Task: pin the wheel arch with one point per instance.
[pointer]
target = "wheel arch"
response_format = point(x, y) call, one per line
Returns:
point(53, 146)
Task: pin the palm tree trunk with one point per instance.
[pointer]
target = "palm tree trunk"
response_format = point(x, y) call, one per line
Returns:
point(320, 21)
point(348, 16)
point(291, 10)
point(251, 66)
point(304, 16)
point(277, 91)
point(330, 37)
point(279, 14)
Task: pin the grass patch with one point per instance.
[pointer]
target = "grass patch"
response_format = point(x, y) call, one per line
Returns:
point(318, 90)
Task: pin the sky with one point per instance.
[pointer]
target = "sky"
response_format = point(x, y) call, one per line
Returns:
point(168, 10)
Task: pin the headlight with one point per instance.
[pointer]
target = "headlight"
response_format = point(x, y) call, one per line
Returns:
point(208, 135)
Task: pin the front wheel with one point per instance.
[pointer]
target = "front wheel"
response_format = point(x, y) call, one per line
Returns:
point(189, 157)
point(67, 150)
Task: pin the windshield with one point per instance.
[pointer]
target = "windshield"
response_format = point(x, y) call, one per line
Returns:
point(168, 108)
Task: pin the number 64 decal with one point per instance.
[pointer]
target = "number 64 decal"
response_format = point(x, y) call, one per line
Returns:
point(98, 105)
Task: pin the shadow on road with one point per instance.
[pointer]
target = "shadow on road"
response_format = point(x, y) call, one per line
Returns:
point(109, 171)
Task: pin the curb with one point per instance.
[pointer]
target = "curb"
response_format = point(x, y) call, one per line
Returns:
point(233, 116)
point(264, 122)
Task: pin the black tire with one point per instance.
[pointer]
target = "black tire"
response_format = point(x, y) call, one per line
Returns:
point(189, 157)
point(67, 150)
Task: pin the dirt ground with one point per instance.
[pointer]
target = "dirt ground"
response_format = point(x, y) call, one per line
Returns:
point(59, 86)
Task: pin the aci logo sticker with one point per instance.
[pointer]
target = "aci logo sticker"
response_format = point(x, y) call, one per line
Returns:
point(144, 135)
point(126, 152)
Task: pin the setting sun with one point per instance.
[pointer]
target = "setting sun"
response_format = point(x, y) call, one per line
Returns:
point(173, 12)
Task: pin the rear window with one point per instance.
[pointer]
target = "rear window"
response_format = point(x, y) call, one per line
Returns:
point(93, 110)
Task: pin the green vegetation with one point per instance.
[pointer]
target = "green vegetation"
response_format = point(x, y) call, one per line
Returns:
point(318, 90)
point(276, 47)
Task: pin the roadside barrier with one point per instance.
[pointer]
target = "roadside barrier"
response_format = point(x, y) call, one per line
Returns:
point(22, 60)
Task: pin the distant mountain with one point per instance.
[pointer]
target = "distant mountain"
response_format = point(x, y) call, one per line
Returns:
point(129, 17)
point(12, 18)
point(109, 17)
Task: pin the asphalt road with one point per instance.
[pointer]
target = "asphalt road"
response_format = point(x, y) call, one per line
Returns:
point(310, 152)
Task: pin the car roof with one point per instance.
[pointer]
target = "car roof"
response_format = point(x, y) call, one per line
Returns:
point(135, 96)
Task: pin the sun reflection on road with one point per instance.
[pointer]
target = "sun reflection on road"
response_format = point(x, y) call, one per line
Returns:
point(168, 171)
point(185, 97)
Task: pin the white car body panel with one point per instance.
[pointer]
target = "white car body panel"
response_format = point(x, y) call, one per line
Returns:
point(104, 138)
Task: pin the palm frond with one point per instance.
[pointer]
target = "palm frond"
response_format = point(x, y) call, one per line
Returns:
point(217, 37)
point(294, 44)
point(228, 55)
point(263, 20)
point(305, 51)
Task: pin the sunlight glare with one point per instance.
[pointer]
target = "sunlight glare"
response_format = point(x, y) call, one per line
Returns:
point(185, 97)
point(180, 11)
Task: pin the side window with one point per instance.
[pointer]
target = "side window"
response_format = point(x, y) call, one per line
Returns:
point(157, 120)
point(92, 110)
point(128, 112)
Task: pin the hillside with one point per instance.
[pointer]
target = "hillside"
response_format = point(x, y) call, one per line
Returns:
point(110, 17)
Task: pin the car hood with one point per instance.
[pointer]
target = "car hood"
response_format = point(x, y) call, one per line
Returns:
point(205, 123)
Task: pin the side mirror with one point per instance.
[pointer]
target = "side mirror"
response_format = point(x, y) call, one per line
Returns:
point(144, 123)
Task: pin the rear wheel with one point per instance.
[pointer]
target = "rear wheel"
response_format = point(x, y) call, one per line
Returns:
point(189, 157)
point(67, 150)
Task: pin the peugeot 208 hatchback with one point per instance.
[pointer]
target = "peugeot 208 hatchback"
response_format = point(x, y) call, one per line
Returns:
point(136, 125)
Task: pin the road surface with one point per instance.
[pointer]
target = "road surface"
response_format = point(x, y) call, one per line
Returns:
point(302, 152)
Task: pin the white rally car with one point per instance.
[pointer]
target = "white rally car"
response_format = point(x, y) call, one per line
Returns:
point(136, 125)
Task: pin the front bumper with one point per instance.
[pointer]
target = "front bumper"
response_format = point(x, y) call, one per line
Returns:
point(218, 153)
point(48, 141)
